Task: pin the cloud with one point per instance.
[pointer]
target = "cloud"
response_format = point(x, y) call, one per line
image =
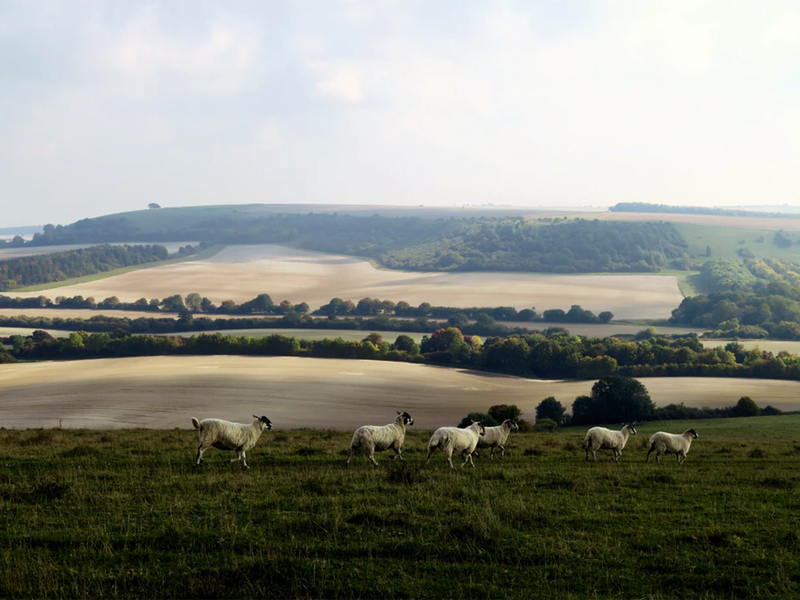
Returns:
point(339, 81)
point(216, 62)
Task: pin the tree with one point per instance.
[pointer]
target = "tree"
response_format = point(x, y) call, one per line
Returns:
point(605, 316)
point(153, 205)
point(173, 303)
point(613, 400)
point(405, 343)
point(501, 412)
point(194, 302)
point(746, 407)
point(550, 408)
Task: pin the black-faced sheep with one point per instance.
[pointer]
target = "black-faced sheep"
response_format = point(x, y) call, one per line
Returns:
point(495, 437)
point(453, 440)
point(600, 438)
point(671, 443)
point(225, 435)
point(370, 438)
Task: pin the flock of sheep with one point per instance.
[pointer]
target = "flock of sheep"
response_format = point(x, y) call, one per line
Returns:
point(241, 437)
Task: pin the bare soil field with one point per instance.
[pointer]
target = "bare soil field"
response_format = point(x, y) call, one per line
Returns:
point(165, 392)
point(771, 223)
point(240, 273)
point(7, 253)
point(774, 346)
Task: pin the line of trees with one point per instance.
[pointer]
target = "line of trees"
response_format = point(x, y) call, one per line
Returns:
point(626, 400)
point(556, 354)
point(647, 207)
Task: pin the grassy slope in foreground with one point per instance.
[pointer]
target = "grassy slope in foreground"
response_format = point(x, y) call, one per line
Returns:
point(126, 514)
point(207, 253)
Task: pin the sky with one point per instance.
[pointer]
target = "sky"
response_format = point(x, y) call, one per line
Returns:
point(108, 106)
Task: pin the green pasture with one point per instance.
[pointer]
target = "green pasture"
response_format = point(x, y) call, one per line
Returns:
point(725, 241)
point(89, 514)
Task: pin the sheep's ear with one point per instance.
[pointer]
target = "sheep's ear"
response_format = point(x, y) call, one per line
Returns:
point(256, 417)
point(399, 413)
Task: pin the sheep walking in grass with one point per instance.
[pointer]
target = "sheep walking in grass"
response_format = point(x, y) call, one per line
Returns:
point(600, 438)
point(672, 443)
point(495, 437)
point(370, 438)
point(224, 435)
point(453, 440)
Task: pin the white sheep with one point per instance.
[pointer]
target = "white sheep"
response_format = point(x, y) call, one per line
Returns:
point(387, 437)
point(600, 438)
point(225, 435)
point(454, 440)
point(672, 443)
point(495, 437)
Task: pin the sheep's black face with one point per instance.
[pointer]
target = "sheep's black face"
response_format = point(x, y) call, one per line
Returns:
point(631, 429)
point(407, 419)
point(483, 429)
point(514, 426)
point(266, 422)
point(694, 434)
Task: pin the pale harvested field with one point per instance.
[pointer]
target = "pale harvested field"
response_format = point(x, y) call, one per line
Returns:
point(240, 273)
point(788, 224)
point(26, 331)
point(6, 253)
point(165, 392)
point(80, 313)
point(773, 346)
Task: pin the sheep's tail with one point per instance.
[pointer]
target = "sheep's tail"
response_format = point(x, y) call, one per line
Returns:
point(196, 423)
point(438, 441)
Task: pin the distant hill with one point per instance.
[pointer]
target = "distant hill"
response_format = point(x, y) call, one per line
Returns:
point(645, 207)
point(454, 240)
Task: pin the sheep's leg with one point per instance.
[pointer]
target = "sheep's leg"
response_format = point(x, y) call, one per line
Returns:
point(431, 450)
point(648, 454)
point(491, 456)
point(448, 454)
point(372, 456)
point(468, 459)
point(399, 455)
point(502, 451)
point(239, 456)
point(589, 449)
point(352, 452)
point(199, 460)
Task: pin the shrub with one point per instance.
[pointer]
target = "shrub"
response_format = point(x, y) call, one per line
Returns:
point(746, 407)
point(548, 425)
point(476, 416)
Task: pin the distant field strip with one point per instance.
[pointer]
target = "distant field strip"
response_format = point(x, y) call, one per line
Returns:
point(165, 392)
point(240, 273)
point(7, 253)
point(88, 279)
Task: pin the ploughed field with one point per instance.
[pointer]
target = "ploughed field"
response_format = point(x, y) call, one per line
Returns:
point(166, 391)
point(89, 514)
point(240, 273)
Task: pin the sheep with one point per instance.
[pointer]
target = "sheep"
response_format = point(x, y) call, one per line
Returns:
point(672, 443)
point(455, 440)
point(495, 437)
point(225, 435)
point(386, 437)
point(599, 438)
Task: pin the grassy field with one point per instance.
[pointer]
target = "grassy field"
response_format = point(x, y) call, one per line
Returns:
point(87, 514)
point(725, 241)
